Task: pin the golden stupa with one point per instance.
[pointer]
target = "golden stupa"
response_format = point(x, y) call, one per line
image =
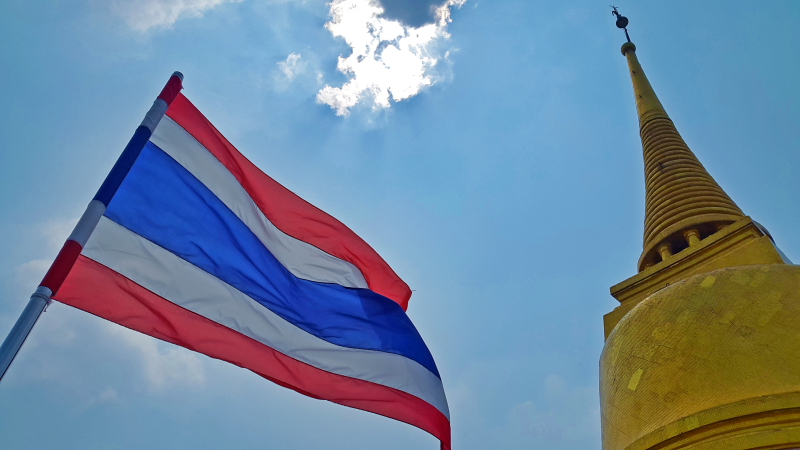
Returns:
point(704, 350)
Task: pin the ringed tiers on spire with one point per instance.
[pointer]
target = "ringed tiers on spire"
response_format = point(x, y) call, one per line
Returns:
point(683, 203)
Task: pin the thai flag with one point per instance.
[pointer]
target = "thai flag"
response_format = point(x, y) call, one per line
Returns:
point(194, 245)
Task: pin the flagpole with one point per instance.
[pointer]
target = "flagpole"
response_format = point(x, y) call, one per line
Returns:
point(69, 253)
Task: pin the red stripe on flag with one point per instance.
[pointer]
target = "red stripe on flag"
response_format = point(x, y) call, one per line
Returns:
point(62, 265)
point(99, 290)
point(290, 213)
point(172, 89)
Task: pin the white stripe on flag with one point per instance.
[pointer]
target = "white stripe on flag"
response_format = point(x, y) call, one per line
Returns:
point(188, 286)
point(302, 259)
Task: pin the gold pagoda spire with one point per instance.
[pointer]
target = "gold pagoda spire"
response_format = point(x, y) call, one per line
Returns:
point(696, 354)
point(683, 202)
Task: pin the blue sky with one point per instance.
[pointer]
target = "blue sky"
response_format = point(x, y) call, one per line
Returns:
point(505, 187)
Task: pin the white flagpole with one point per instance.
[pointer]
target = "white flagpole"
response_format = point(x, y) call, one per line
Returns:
point(72, 248)
point(38, 302)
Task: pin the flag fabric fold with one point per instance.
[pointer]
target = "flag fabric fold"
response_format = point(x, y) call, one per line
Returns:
point(200, 248)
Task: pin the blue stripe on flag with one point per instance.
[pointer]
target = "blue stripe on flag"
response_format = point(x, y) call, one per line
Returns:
point(164, 203)
point(123, 165)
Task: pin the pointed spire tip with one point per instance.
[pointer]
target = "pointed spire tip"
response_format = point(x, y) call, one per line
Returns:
point(680, 195)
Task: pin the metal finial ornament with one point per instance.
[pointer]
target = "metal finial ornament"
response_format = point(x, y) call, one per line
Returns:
point(622, 21)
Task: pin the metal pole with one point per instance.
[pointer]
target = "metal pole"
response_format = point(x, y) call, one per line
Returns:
point(38, 302)
point(83, 230)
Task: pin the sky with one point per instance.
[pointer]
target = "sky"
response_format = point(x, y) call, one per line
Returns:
point(488, 150)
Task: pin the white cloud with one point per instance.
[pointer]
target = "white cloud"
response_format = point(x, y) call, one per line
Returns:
point(142, 15)
point(292, 66)
point(163, 367)
point(107, 396)
point(390, 60)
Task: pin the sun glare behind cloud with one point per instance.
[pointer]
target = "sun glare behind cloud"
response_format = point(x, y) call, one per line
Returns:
point(390, 61)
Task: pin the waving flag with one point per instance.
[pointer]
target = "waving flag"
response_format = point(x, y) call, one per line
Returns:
point(189, 242)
